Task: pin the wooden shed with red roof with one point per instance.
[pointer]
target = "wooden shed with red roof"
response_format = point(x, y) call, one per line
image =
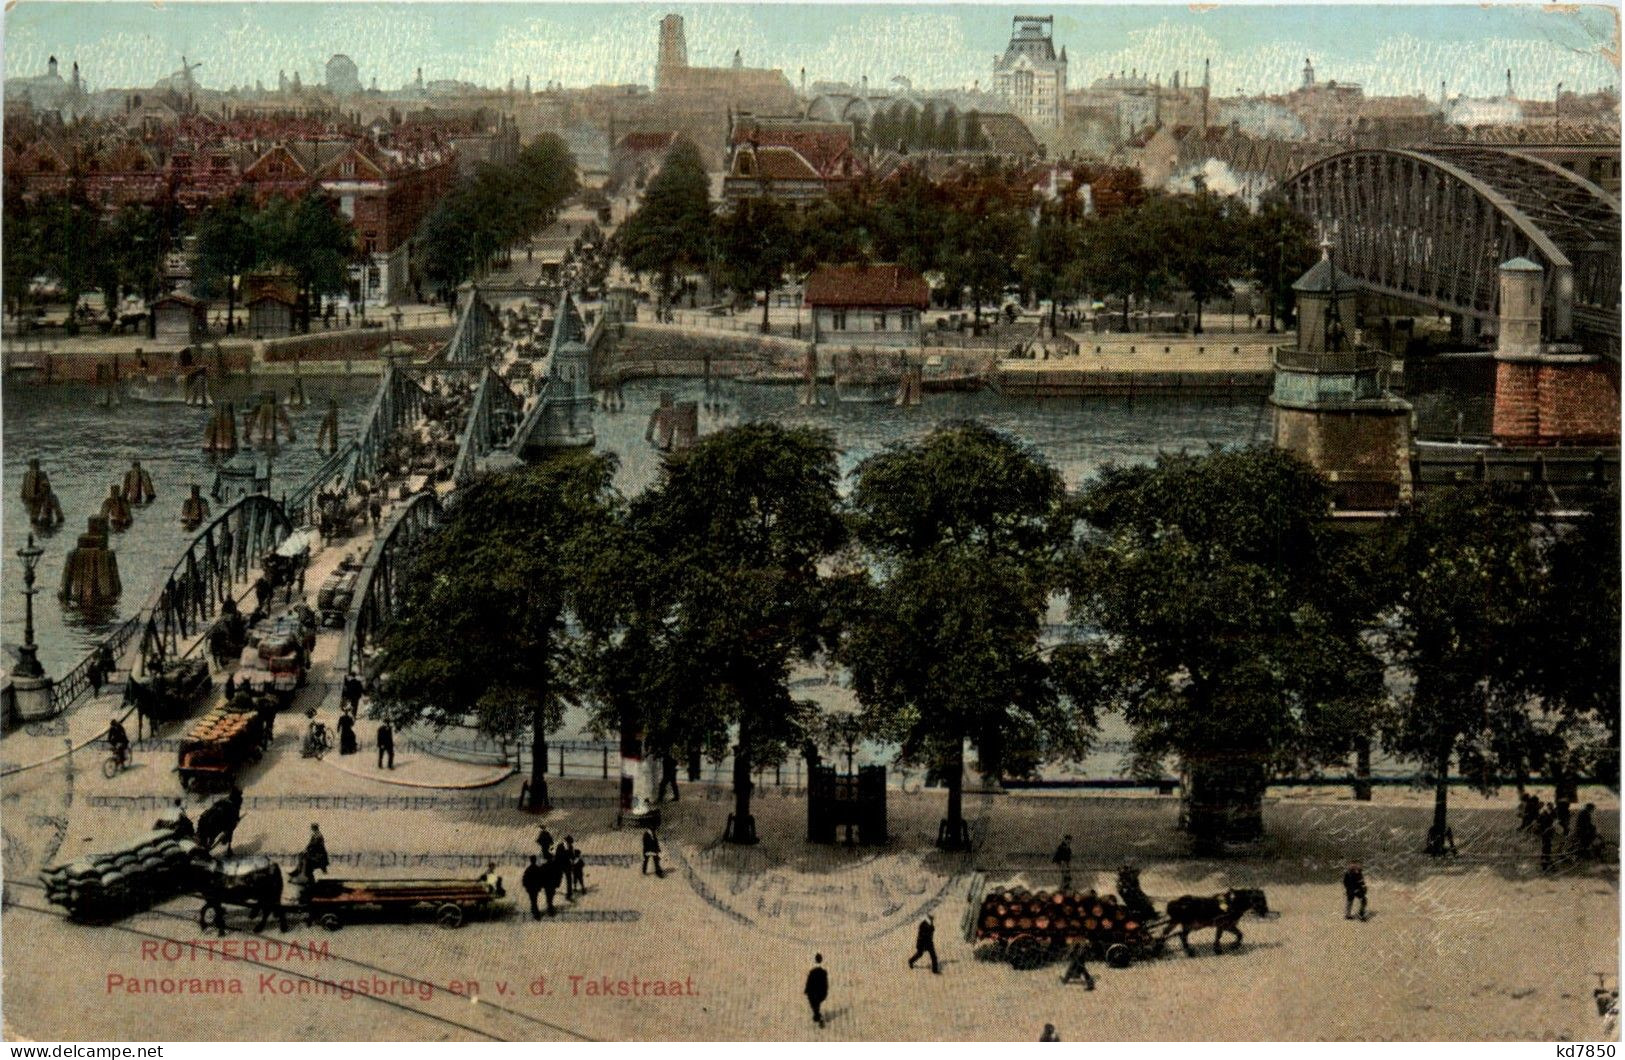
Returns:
point(867, 305)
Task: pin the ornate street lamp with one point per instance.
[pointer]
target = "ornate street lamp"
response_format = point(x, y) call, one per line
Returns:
point(27, 661)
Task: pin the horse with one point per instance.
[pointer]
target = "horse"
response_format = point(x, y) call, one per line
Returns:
point(220, 821)
point(260, 888)
point(1220, 912)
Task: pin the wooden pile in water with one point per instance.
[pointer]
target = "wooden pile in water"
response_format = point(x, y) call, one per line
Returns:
point(90, 575)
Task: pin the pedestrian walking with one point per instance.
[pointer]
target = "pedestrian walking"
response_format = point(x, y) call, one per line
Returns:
point(1586, 841)
point(567, 856)
point(376, 510)
point(1078, 968)
point(347, 741)
point(817, 988)
point(1563, 808)
point(544, 839)
point(353, 689)
point(551, 875)
point(531, 881)
point(651, 849)
point(1063, 858)
point(668, 775)
point(386, 745)
point(1353, 889)
point(1049, 1034)
point(925, 941)
point(578, 870)
point(315, 855)
point(1546, 827)
point(1530, 811)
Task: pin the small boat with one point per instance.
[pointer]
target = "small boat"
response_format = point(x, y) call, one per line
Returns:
point(189, 387)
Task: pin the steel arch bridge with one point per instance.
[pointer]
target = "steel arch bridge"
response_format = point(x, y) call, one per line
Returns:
point(1433, 226)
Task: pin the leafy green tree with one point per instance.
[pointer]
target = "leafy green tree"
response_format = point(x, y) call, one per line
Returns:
point(1127, 257)
point(136, 245)
point(227, 248)
point(311, 239)
point(485, 631)
point(1465, 571)
point(446, 234)
point(1278, 247)
point(1570, 645)
point(1210, 599)
point(670, 232)
point(24, 255)
point(984, 235)
point(737, 528)
point(1053, 266)
point(1204, 236)
point(72, 240)
point(547, 178)
point(962, 533)
point(754, 240)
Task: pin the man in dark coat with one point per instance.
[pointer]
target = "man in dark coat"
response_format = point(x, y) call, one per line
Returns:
point(552, 874)
point(1353, 889)
point(544, 839)
point(315, 852)
point(817, 988)
point(352, 693)
point(651, 849)
point(347, 741)
point(668, 777)
point(386, 745)
point(1063, 858)
point(532, 882)
point(925, 941)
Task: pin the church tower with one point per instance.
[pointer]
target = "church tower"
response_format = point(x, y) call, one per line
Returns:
point(673, 51)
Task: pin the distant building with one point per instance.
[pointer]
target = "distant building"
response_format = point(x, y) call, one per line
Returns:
point(1029, 75)
point(788, 159)
point(759, 91)
point(867, 305)
point(343, 79)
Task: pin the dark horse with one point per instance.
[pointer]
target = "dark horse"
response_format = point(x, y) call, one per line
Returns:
point(254, 883)
point(1220, 912)
point(220, 821)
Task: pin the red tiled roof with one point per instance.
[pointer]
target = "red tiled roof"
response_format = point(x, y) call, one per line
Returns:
point(823, 149)
point(867, 285)
point(773, 163)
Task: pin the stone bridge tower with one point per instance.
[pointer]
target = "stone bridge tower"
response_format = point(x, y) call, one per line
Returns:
point(567, 416)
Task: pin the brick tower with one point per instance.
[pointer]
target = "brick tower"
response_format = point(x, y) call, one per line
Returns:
point(1545, 393)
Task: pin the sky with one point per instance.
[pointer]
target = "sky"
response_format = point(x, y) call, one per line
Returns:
point(1403, 49)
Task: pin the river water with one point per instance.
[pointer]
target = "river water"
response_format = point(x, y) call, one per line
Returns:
point(85, 448)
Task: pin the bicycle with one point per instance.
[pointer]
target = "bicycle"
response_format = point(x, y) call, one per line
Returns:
point(117, 762)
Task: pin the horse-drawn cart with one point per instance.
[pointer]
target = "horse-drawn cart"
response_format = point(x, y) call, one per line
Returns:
point(1031, 928)
point(148, 869)
point(170, 691)
point(333, 903)
point(222, 742)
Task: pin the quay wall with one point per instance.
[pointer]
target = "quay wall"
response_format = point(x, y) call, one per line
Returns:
point(1062, 382)
point(643, 351)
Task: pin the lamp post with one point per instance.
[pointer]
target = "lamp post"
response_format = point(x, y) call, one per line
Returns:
point(27, 661)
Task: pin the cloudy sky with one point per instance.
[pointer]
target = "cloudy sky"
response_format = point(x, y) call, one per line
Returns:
point(1389, 49)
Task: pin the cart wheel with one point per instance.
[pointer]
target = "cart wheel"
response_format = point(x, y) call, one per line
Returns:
point(209, 917)
point(1025, 952)
point(330, 921)
point(450, 915)
point(110, 768)
point(1118, 955)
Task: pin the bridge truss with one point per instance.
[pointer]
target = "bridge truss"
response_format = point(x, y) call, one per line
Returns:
point(1433, 226)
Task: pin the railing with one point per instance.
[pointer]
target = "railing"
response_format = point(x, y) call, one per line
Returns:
point(218, 557)
point(399, 402)
point(374, 600)
point(469, 339)
point(300, 504)
point(76, 682)
point(491, 416)
point(1361, 359)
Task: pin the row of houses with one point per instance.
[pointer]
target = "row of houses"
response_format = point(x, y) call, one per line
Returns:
point(385, 187)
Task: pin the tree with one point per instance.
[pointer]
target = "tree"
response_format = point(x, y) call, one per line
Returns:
point(983, 237)
point(1204, 235)
point(227, 248)
point(737, 528)
point(1208, 598)
point(24, 256)
point(756, 245)
point(312, 240)
point(1279, 247)
point(72, 244)
point(1570, 654)
point(1127, 258)
point(136, 244)
point(484, 630)
point(1464, 570)
point(447, 237)
point(962, 533)
point(1053, 263)
point(671, 229)
point(547, 178)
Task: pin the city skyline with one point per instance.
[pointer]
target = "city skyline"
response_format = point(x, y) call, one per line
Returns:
point(1390, 50)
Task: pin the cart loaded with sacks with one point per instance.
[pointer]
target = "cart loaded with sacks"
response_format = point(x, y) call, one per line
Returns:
point(152, 868)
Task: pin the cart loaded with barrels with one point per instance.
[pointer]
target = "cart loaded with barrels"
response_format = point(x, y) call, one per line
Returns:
point(224, 740)
point(1031, 928)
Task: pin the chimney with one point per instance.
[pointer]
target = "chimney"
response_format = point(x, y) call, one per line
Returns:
point(1509, 83)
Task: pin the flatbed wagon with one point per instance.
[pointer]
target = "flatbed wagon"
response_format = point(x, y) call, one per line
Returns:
point(1030, 928)
point(334, 903)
